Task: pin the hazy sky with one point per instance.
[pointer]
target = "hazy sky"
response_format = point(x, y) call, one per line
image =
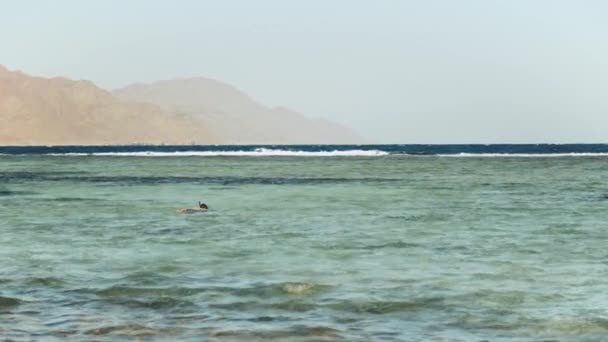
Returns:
point(425, 71)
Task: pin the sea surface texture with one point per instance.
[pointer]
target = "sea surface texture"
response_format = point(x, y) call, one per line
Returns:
point(304, 243)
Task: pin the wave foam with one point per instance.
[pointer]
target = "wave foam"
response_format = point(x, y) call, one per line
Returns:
point(260, 152)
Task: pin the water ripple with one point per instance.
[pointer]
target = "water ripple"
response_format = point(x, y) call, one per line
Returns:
point(7, 302)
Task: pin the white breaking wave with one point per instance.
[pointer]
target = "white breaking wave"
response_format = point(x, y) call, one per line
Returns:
point(527, 155)
point(260, 152)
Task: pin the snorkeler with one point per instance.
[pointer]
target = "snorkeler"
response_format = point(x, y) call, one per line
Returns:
point(201, 207)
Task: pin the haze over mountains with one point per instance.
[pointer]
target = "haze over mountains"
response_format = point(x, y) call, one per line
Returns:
point(59, 111)
point(235, 116)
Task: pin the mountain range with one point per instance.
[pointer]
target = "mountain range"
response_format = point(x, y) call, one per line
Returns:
point(60, 111)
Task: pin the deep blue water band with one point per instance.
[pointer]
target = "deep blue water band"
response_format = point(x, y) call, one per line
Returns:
point(391, 149)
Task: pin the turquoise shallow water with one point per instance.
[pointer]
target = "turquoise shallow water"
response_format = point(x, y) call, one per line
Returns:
point(386, 248)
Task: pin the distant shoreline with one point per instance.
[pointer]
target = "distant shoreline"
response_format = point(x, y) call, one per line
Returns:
point(308, 144)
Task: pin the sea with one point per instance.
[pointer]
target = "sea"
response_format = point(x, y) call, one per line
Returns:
point(304, 243)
